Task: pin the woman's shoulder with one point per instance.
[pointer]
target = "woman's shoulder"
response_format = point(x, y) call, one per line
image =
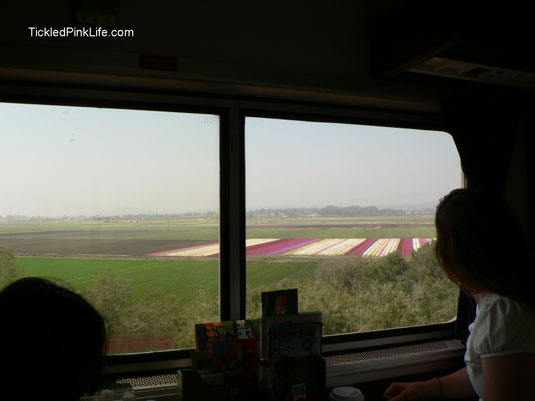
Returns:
point(504, 326)
point(508, 307)
point(500, 311)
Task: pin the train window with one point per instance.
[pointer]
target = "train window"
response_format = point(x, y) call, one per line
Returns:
point(115, 204)
point(344, 213)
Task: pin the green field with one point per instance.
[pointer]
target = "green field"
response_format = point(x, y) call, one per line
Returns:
point(318, 232)
point(182, 278)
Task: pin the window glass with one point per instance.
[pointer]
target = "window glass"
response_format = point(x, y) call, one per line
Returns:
point(115, 205)
point(344, 213)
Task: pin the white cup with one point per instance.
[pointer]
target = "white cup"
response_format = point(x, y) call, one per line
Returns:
point(106, 395)
point(346, 394)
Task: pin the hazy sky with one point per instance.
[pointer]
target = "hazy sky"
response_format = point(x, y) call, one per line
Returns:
point(57, 161)
point(298, 163)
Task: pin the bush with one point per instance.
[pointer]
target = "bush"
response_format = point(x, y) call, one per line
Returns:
point(361, 294)
point(9, 268)
point(157, 315)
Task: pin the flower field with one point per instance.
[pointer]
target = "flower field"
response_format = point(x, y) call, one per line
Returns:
point(311, 247)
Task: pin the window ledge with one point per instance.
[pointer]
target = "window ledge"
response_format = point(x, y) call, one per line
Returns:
point(342, 369)
point(368, 366)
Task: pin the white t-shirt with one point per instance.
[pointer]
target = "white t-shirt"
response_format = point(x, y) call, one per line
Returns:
point(501, 327)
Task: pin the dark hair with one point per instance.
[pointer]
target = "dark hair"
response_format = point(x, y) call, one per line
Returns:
point(53, 342)
point(480, 245)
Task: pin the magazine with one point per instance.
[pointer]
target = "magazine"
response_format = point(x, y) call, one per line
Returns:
point(300, 318)
point(233, 346)
point(294, 341)
point(290, 336)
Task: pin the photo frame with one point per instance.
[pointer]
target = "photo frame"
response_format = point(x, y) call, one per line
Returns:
point(279, 303)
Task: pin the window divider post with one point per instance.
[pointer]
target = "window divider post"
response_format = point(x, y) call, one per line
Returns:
point(232, 215)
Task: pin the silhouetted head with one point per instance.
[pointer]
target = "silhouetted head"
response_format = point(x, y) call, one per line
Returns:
point(480, 245)
point(52, 342)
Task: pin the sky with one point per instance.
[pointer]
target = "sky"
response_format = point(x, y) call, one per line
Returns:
point(310, 164)
point(78, 161)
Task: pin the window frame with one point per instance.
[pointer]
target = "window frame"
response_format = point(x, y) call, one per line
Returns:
point(233, 111)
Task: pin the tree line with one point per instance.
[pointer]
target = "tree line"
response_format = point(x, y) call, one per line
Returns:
point(327, 211)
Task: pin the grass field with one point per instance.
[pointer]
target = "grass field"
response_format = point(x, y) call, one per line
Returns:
point(180, 277)
point(337, 232)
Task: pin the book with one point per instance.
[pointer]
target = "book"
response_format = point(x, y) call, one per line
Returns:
point(289, 336)
point(233, 347)
point(294, 340)
point(268, 321)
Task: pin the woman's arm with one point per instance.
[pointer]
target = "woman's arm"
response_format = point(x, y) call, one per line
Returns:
point(455, 385)
point(509, 377)
point(458, 385)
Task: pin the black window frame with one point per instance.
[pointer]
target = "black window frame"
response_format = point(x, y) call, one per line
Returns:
point(233, 111)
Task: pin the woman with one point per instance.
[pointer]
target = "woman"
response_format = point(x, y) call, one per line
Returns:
point(53, 342)
point(481, 248)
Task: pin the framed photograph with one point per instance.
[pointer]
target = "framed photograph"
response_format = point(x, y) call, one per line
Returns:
point(279, 303)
